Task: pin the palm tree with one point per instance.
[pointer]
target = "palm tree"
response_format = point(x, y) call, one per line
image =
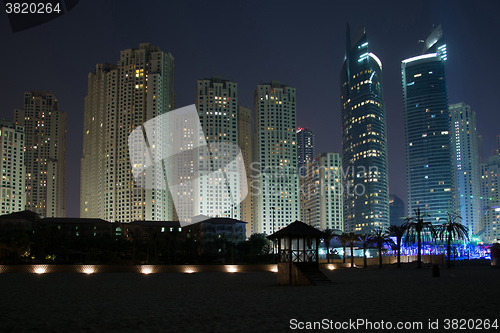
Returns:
point(417, 229)
point(380, 238)
point(329, 234)
point(452, 230)
point(352, 237)
point(366, 240)
point(343, 241)
point(397, 231)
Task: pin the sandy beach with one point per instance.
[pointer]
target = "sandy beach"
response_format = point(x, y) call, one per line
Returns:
point(244, 302)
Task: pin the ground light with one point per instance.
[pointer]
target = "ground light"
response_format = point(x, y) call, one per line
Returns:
point(40, 269)
point(88, 269)
point(146, 269)
point(231, 268)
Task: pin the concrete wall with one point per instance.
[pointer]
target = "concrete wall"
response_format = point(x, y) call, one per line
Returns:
point(146, 269)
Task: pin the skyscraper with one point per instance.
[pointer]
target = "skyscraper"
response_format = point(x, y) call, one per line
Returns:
point(397, 210)
point(120, 98)
point(364, 141)
point(12, 190)
point(490, 195)
point(467, 168)
point(321, 193)
point(496, 151)
point(275, 182)
point(245, 143)
point(480, 148)
point(217, 105)
point(305, 148)
point(427, 130)
point(45, 156)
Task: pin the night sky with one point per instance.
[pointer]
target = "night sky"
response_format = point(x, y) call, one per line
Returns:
point(301, 44)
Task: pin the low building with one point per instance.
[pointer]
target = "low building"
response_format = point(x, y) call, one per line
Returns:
point(213, 237)
point(143, 230)
point(18, 221)
point(78, 227)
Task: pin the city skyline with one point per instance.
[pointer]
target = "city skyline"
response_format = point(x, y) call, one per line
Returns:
point(63, 67)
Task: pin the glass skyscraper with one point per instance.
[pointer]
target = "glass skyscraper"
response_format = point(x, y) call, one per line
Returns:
point(364, 142)
point(429, 167)
point(397, 210)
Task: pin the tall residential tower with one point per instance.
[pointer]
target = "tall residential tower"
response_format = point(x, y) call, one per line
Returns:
point(121, 98)
point(465, 149)
point(13, 170)
point(217, 193)
point(45, 157)
point(364, 138)
point(490, 195)
point(275, 183)
point(321, 193)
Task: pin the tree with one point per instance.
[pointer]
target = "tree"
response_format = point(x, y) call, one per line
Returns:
point(398, 231)
point(367, 241)
point(381, 238)
point(343, 238)
point(352, 237)
point(256, 249)
point(417, 230)
point(329, 234)
point(451, 230)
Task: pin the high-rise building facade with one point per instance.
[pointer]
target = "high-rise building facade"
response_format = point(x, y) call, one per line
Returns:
point(465, 155)
point(364, 138)
point(12, 190)
point(305, 148)
point(496, 151)
point(480, 148)
point(45, 155)
point(427, 131)
point(275, 182)
point(121, 98)
point(397, 210)
point(217, 194)
point(490, 195)
point(321, 193)
point(245, 144)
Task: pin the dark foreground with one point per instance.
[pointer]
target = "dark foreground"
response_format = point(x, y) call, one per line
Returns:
point(248, 302)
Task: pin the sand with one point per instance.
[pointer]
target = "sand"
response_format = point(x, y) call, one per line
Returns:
point(242, 302)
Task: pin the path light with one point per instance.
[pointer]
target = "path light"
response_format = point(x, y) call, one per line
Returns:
point(146, 269)
point(231, 268)
point(88, 269)
point(40, 269)
point(274, 269)
point(331, 267)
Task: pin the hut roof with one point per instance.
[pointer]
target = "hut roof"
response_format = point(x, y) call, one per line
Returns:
point(297, 228)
